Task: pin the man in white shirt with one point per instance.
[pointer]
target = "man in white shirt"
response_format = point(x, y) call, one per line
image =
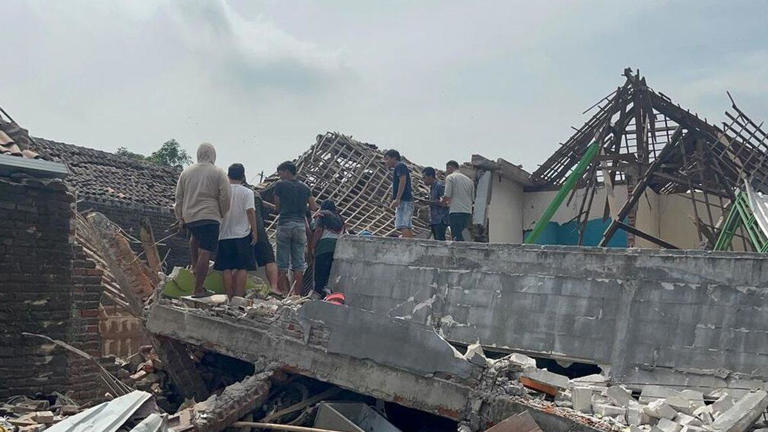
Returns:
point(459, 195)
point(238, 234)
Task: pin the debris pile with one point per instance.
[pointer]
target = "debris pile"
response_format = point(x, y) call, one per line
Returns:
point(616, 407)
point(24, 414)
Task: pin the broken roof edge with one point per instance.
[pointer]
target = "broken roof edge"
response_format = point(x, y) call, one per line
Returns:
point(39, 167)
point(507, 169)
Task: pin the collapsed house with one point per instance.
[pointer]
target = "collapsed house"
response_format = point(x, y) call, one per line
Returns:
point(662, 177)
point(473, 334)
point(353, 174)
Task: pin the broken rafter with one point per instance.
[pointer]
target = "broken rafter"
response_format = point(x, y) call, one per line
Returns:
point(352, 174)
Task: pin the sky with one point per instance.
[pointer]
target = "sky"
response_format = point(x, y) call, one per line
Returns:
point(437, 80)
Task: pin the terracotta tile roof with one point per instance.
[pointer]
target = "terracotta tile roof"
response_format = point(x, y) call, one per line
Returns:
point(15, 140)
point(98, 174)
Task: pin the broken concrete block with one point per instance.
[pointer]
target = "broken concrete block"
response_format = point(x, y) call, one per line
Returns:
point(32, 428)
point(590, 380)
point(619, 395)
point(522, 361)
point(651, 393)
point(563, 399)
point(693, 429)
point(687, 420)
point(665, 425)
point(704, 414)
point(742, 414)
point(606, 410)
point(636, 415)
point(660, 410)
point(723, 404)
point(475, 355)
point(546, 377)
point(681, 404)
point(45, 417)
point(582, 399)
point(519, 422)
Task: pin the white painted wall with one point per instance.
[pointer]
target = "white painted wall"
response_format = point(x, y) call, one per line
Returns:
point(505, 212)
point(537, 202)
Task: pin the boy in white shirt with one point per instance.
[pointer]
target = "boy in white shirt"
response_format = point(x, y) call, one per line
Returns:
point(237, 236)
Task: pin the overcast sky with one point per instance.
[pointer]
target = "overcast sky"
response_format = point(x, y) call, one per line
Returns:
point(436, 80)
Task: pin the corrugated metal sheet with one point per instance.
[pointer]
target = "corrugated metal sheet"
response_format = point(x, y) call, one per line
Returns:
point(107, 417)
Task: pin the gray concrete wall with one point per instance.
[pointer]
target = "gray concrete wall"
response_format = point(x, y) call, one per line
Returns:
point(652, 316)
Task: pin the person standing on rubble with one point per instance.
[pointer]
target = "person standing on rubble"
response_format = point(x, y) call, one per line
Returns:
point(459, 196)
point(292, 198)
point(402, 194)
point(329, 226)
point(265, 253)
point(202, 201)
point(438, 210)
point(239, 233)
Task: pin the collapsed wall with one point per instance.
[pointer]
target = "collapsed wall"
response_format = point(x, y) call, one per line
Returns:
point(689, 318)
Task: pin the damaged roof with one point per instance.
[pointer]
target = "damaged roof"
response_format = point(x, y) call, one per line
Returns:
point(95, 174)
point(353, 174)
point(649, 142)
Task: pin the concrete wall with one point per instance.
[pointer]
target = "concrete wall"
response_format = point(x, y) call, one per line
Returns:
point(658, 316)
point(505, 213)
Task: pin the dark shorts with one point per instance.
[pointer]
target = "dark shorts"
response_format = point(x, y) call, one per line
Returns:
point(438, 231)
point(265, 254)
point(235, 254)
point(460, 223)
point(206, 233)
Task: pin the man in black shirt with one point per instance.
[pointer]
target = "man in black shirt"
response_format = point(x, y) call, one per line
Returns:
point(402, 194)
point(292, 198)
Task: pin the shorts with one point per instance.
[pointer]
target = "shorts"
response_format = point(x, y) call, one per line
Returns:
point(206, 234)
point(291, 246)
point(460, 223)
point(438, 231)
point(235, 254)
point(264, 252)
point(403, 215)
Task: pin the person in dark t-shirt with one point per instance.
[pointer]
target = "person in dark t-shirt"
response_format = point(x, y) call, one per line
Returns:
point(292, 198)
point(402, 194)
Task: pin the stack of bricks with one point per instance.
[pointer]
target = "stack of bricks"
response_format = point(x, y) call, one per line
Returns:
point(84, 326)
point(46, 287)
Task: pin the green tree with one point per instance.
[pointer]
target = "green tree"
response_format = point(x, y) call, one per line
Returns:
point(170, 154)
point(122, 151)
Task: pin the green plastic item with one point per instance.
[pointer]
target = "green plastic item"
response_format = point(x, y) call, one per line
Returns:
point(741, 215)
point(569, 184)
point(181, 282)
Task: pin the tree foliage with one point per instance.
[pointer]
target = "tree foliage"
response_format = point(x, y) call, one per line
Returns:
point(169, 154)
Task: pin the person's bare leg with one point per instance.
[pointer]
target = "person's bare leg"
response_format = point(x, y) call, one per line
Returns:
point(283, 284)
point(227, 276)
point(240, 279)
point(407, 233)
point(271, 271)
point(201, 270)
point(194, 245)
point(298, 283)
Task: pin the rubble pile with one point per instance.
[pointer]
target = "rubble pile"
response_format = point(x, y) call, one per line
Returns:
point(24, 414)
point(145, 371)
point(593, 400)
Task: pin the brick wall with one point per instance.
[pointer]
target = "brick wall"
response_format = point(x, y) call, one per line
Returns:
point(654, 316)
point(46, 287)
point(128, 216)
point(121, 333)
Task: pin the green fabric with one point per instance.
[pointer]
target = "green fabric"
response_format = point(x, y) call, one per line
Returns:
point(326, 245)
point(182, 283)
